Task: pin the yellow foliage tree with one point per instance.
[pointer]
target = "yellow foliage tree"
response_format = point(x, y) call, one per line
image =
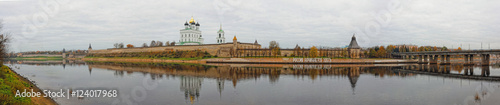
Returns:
point(459, 48)
point(313, 52)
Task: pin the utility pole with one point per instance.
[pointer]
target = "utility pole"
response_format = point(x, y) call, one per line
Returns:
point(481, 45)
point(469, 46)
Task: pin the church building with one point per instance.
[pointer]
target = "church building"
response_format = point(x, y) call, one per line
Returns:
point(191, 34)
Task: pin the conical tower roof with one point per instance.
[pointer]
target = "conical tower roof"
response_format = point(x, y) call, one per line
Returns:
point(354, 43)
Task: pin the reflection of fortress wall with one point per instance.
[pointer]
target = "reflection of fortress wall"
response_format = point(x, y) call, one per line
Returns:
point(238, 73)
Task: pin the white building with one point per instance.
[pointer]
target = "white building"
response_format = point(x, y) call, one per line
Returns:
point(220, 37)
point(191, 34)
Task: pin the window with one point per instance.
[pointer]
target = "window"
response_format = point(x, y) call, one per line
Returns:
point(219, 35)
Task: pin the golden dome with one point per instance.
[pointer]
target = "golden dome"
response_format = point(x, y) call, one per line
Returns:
point(192, 20)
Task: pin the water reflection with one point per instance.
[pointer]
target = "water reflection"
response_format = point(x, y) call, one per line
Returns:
point(192, 75)
point(358, 80)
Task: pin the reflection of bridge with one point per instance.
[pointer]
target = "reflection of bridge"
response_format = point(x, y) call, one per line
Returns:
point(432, 56)
point(444, 70)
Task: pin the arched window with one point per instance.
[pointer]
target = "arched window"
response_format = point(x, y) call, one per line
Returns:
point(219, 35)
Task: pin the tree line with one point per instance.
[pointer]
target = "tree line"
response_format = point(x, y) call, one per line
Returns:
point(385, 52)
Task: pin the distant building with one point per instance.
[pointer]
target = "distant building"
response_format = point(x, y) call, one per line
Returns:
point(191, 34)
point(354, 49)
point(220, 38)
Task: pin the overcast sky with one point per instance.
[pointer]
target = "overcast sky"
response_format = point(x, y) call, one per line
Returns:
point(57, 24)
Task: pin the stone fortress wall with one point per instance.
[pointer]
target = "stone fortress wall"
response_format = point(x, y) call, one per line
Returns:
point(220, 50)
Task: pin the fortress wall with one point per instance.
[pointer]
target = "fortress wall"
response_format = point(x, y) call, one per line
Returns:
point(222, 50)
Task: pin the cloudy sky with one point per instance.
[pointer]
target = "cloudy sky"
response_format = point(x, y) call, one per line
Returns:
point(73, 24)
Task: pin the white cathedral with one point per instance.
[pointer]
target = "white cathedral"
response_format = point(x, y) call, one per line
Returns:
point(191, 34)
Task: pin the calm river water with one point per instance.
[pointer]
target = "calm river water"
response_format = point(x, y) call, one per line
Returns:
point(222, 84)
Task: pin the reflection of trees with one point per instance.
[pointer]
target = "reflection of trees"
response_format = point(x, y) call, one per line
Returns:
point(457, 67)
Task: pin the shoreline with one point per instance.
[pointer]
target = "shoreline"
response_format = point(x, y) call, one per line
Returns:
point(35, 100)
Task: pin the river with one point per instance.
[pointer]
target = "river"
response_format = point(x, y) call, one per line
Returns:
point(261, 84)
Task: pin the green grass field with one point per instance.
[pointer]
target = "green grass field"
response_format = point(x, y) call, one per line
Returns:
point(9, 84)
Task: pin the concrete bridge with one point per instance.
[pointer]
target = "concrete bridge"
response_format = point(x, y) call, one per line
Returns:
point(432, 56)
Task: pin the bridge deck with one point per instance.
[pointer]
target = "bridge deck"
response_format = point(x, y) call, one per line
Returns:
point(463, 52)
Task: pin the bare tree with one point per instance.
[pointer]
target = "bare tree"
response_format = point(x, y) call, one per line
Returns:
point(159, 43)
point(116, 45)
point(167, 43)
point(121, 45)
point(153, 44)
point(144, 45)
point(172, 44)
point(4, 39)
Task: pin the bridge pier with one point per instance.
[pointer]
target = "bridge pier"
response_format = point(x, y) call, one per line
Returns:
point(485, 59)
point(445, 59)
point(468, 59)
point(469, 70)
point(420, 59)
point(433, 59)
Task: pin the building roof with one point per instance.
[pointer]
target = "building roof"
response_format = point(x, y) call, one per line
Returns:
point(192, 20)
point(220, 29)
point(354, 43)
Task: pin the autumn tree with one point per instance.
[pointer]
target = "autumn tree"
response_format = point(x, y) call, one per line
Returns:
point(381, 52)
point(130, 46)
point(275, 48)
point(444, 48)
point(435, 48)
point(459, 49)
point(313, 52)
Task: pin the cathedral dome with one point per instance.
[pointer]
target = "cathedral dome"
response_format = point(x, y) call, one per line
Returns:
point(191, 21)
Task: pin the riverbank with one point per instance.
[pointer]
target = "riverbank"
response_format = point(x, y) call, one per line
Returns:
point(39, 58)
point(131, 59)
point(11, 82)
point(258, 60)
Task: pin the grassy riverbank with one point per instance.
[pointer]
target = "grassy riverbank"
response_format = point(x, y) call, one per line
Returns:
point(10, 82)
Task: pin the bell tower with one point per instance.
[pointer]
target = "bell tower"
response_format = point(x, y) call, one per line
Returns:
point(220, 36)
